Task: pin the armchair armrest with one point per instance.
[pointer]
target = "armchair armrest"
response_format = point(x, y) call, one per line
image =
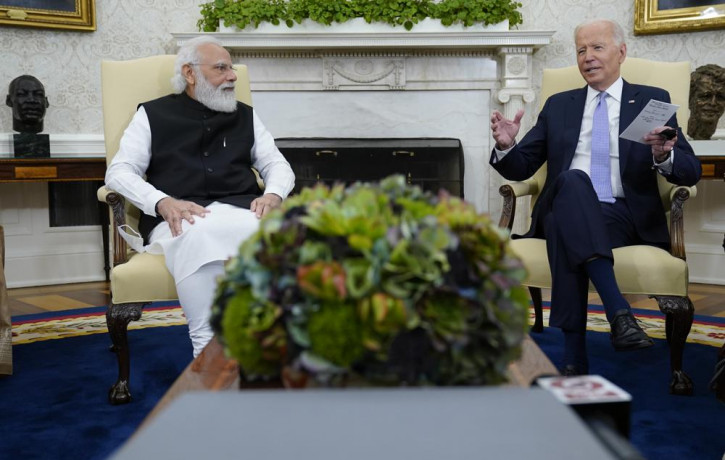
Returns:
point(258, 177)
point(678, 196)
point(117, 204)
point(510, 192)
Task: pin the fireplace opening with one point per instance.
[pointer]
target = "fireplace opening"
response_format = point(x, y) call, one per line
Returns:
point(431, 163)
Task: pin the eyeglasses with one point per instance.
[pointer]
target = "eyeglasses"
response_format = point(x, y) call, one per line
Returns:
point(220, 68)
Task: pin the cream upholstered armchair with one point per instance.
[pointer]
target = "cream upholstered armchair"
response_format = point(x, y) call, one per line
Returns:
point(638, 269)
point(136, 279)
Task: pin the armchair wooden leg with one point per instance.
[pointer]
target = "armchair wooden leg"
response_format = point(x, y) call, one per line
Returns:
point(679, 314)
point(117, 318)
point(535, 294)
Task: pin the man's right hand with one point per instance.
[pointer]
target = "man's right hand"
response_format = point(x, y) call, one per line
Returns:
point(174, 211)
point(504, 130)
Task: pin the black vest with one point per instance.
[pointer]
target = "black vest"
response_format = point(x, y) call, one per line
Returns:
point(198, 154)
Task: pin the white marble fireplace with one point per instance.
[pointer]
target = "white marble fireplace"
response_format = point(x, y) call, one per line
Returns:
point(410, 84)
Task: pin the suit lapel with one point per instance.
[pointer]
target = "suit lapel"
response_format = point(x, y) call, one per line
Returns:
point(631, 104)
point(573, 117)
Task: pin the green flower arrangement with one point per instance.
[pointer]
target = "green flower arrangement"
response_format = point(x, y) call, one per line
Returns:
point(382, 283)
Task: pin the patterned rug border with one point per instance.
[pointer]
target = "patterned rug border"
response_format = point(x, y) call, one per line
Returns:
point(61, 325)
point(706, 330)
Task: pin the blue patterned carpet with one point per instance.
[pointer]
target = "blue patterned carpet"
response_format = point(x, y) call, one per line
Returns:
point(55, 405)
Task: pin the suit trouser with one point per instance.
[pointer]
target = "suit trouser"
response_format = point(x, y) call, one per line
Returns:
point(577, 228)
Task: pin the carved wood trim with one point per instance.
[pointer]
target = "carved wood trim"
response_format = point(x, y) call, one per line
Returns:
point(509, 207)
point(677, 224)
point(118, 207)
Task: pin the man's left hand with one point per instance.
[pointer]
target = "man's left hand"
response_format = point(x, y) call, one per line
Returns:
point(265, 203)
point(661, 147)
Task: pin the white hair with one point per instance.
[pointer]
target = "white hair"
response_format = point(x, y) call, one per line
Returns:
point(188, 54)
point(617, 31)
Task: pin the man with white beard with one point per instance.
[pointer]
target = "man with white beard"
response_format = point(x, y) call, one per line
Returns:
point(200, 199)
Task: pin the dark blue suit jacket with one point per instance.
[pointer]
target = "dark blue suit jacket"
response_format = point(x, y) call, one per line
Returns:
point(554, 138)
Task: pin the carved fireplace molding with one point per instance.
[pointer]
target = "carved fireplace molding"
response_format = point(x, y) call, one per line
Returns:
point(391, 61)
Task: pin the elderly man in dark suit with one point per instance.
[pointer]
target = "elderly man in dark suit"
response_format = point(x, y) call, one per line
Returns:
point(601, 191)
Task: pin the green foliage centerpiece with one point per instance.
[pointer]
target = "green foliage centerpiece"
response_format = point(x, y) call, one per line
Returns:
point(382, 283)
point(404, 13)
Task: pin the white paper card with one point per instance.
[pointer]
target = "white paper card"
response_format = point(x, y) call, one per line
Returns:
point(653, 115)
point(583, 389)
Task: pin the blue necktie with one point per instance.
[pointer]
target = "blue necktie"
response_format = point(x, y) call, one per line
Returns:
point(600, 169)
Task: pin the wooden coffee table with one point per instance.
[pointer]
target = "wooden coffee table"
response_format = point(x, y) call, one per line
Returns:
point(213, 371)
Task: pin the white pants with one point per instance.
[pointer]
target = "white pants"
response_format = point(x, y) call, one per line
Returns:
point(196, 294)
point(196, 260)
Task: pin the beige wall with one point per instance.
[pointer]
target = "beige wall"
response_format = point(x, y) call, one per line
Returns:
point(68, 62)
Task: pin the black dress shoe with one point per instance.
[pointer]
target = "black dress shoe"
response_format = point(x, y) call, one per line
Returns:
point(626, 333)
point(570, 370)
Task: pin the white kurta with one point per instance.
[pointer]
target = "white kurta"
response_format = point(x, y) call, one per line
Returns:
point(212, 238)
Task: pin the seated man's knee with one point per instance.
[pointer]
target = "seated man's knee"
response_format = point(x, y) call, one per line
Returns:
point(573, 180)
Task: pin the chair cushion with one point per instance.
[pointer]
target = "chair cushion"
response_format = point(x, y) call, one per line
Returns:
point(639, 269)
point(144, 278)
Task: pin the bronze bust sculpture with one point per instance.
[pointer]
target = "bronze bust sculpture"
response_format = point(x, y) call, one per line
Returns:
point(707, 100)
point(26, 96)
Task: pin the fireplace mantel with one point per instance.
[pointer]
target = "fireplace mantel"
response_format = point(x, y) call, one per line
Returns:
point(391, 84)
point(511, 49)
point(291, 41)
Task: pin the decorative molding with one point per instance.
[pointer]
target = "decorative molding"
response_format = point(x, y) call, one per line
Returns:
point(504, 96)
point(241, 54)
point(413, 40)
point(363, 73)
point(710, 147)
point(717, 228)
point(70, 145)
point(512, 50)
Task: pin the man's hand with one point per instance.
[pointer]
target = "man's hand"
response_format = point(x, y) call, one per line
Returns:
point(265, 203)
point(174, 211)
point(661, 147)
point(504, 131)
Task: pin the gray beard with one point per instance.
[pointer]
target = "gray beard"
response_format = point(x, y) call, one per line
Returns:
point(215, 97)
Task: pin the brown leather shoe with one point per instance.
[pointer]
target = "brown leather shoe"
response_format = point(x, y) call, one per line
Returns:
point(626, 333)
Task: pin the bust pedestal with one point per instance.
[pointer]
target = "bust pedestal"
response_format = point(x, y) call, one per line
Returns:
point(31, 145)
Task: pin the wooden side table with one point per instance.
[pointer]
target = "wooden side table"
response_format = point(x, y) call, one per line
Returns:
point(62, 169)
point(712, 157)
point(713, 168)
point(717, 384)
